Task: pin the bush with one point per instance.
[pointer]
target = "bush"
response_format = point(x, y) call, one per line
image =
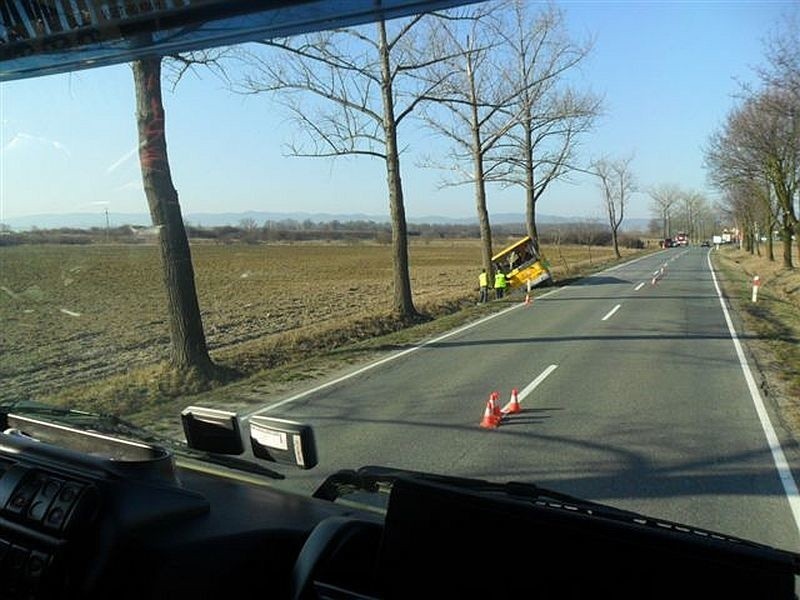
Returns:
point(631, 242)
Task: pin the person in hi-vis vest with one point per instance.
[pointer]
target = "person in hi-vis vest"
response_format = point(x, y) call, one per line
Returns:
point(500, 284)
point(483, 280)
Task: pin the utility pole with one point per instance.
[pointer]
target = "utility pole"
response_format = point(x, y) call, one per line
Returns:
point(108, 227)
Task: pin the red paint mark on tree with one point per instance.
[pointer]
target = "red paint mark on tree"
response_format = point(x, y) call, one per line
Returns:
point(153, 149)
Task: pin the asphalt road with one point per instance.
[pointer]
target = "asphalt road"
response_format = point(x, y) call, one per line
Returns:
point(647, 407)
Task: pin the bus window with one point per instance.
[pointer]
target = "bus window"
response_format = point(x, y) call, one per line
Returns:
point(520, 263)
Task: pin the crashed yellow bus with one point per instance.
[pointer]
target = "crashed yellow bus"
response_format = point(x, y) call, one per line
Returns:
point(521, 263)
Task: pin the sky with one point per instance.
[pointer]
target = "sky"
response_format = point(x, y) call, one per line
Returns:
point(668, 73)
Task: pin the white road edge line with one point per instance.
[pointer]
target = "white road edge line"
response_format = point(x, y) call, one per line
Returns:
point(638, 287)
point(781, 464)
point(392, 357)
point(611, 312)
point(536, 382)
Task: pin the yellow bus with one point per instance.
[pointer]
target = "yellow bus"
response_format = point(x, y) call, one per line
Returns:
point(521, 264)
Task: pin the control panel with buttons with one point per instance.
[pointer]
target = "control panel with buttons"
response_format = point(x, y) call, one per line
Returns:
point(40, 499)
point(38, 510)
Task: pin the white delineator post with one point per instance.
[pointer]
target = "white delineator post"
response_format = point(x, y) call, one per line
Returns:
point(756, 285)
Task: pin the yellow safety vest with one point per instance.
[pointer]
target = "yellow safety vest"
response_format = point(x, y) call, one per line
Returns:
point(482, 278)
point(499, 280)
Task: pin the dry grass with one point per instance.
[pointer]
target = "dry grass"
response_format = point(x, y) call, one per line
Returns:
point(774, 320)
point(83, 322)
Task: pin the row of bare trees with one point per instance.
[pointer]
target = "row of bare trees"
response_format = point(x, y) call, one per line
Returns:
point(754, 158)
point(490, 79)
point(677, 210)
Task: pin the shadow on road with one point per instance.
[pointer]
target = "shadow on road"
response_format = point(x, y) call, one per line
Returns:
point(624, 474)
point(594, 280)
point(530, 416)
point(615, 337)
point(580, 338)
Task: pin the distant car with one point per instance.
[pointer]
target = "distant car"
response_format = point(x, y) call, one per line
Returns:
point(667, 243)
point(706, 244)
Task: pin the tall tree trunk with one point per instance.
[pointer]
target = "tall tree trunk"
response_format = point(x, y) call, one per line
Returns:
point(478, 176)
point(530, 196)
point(616, 242)
point(788, 230)
point(797, 240)
point(403, 304)
point(188, 343)
point(480, 201)
point(770, 249)
point(483, 216)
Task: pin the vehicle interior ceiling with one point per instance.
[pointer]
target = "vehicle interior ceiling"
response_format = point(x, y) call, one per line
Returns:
point(90, 516)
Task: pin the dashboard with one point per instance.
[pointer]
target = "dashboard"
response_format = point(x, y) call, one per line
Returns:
point(85, 515)
point(88, 515)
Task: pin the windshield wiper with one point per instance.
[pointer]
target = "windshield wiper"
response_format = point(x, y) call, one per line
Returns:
point(98, 422)
point(115, 426)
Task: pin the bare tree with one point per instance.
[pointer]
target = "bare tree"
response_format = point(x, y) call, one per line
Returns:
point(755, 156)
point(188, 350)
point(665, 197)
point(771, 213)
point(782, 71)
point(355, 75)
point(248, 225)
point(617, 184)
point(540, 148)
point(738, 206)
point(473, 103)
point(760, 141)
point(693, 214)
point(588, 231)
point(688, 207)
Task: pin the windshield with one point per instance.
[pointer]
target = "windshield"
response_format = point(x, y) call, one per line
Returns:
point(308, 228)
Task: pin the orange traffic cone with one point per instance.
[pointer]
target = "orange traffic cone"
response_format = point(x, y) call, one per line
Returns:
point(490, 420)
point(513, 407)
point(494, 399)
point(527, 299)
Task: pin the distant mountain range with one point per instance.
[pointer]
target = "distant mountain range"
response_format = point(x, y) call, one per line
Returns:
point(87, 220)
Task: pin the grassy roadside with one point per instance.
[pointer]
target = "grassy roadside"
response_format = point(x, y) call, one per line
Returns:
point(773, 324)
point(316, 365)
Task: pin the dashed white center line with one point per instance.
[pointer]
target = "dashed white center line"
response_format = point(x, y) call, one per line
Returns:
point(535, 383)
point(638, 287)
point(611, 312)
